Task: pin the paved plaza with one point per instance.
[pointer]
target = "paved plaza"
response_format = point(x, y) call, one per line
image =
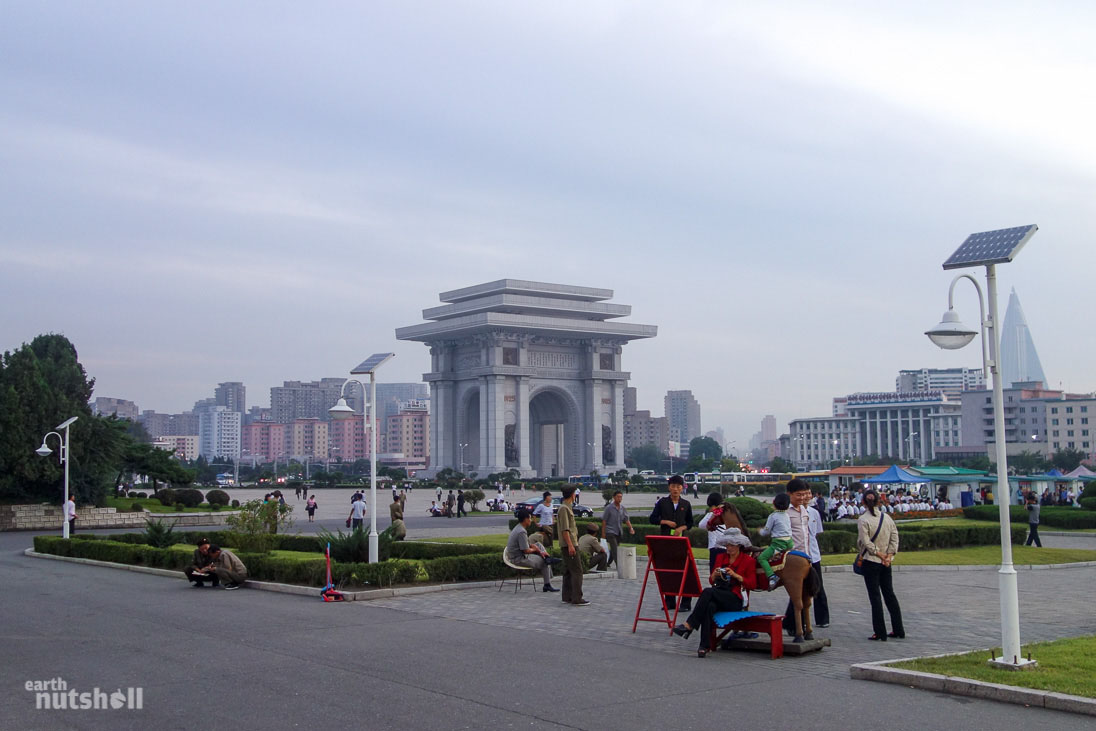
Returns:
point(479, 658)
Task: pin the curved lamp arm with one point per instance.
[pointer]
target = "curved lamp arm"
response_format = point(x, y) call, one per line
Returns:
point(982, 320)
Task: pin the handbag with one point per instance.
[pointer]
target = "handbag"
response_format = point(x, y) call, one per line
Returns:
point(858, 564)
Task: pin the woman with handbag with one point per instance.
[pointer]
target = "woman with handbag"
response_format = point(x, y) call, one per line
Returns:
point(734, 571)
point(877, 543)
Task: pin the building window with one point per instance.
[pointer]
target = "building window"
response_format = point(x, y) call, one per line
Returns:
point(1069, 409)
point(1054, 409)
point(1069, 421)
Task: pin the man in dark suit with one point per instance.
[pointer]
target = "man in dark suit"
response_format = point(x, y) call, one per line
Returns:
point(674, 516)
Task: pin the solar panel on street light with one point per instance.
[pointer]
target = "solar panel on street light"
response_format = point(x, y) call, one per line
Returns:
point(990, 247)
point(372, 363)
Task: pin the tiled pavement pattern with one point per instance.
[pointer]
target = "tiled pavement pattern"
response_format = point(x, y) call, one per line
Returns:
point(943, 611)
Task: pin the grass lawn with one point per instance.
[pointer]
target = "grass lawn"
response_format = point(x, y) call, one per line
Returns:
point(123, 504)
point(1065, 666)
point(975, 556)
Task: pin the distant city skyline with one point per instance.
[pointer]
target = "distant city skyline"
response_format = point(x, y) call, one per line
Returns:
point(228, 195)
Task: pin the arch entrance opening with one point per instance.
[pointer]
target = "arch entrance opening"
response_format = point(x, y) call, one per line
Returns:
point(553, 447)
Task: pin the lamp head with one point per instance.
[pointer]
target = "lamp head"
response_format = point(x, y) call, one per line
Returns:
point(43, 451)
point(341, 410)
point(951, 334)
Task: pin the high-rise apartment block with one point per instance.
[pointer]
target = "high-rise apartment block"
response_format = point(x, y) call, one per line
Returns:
point(185, 447)
point(263, 441)
point(104, 406)
point(408, 432)
point(232, 395)
point(952, 381)
point(683, 414)
point(768, 428)
point(641, 429)
point(218, 433)
point(304, 400)
point(169, 425)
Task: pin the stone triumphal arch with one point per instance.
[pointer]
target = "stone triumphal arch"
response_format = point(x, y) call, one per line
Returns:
point(527, 376)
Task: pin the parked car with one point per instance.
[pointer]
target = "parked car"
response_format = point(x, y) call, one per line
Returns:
point(581, 511)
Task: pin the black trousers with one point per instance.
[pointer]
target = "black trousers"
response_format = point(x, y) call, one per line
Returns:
point(820, 603)
point(712, 600)
point(1033, 535)
point(877, 579)
point(199, 579)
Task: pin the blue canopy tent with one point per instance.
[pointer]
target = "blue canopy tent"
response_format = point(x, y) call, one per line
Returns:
point(895, 475)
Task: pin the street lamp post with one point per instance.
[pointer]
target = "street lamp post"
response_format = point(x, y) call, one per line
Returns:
point(989, 249)
point(462, 446)
point(63, 456)
point(368, 366)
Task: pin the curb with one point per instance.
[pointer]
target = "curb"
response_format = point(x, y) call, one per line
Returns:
point(309, 591)
point(880, 672)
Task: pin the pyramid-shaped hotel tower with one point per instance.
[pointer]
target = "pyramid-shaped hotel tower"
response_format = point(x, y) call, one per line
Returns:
point(1019, 361)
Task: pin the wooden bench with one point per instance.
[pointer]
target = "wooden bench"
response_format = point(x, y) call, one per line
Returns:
point(770, 624)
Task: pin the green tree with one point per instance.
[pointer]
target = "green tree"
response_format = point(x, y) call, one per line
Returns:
point(648, 457)
point(704, 454)
point(1067, 460)
point(779, 464)
point(729, 464)
point(1027, 463)
point(41, 385)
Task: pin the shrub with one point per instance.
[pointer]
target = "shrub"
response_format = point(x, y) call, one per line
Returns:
point(189, 497)
point(473, 497)
point(135, 507)
point(1088, 503)
point(607, 494)
point(142, 495)
point(217, 497)
point(166, 496)
point(1051, 515)
point(159, 534)
point(215, 507)
point(353, 547)
point(235, 503)
point(255, 525)
point(754, 512)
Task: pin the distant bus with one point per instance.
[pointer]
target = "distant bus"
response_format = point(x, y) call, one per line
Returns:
point(584, 480)
point(225, 479)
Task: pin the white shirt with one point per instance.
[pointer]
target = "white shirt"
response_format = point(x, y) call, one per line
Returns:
point(544, 514)
point(358, 509)
point(70, 510)
point(712, 534)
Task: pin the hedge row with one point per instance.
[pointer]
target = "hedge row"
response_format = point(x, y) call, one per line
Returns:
point(313, 544)
point(841, 537)
point(264, 567)
point(1051, 515)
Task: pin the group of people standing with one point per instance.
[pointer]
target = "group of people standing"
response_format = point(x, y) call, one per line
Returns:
point(794, 525)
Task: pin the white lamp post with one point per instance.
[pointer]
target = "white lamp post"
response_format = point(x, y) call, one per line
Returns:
point(368, 366)
point(462, 446)
point(989, 249)
point(63, 456)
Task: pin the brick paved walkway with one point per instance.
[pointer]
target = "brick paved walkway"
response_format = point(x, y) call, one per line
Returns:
point(942, 611)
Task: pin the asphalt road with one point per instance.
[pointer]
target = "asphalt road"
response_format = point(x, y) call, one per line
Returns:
point(209, 659)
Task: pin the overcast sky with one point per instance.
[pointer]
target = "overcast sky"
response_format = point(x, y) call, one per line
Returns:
point(196, 193)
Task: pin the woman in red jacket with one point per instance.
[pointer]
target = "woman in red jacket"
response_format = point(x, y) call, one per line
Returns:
point(732, 572)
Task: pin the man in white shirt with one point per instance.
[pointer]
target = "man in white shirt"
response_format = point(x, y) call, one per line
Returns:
point(544, 517)
point(357, 513)
point(70, 514)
